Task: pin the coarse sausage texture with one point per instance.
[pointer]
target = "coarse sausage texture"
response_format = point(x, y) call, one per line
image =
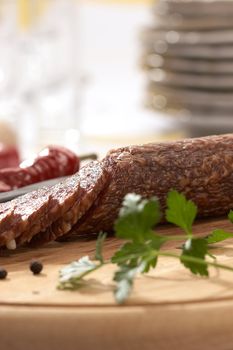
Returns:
point(200, 168)
point(92, 180)
point(65, 201)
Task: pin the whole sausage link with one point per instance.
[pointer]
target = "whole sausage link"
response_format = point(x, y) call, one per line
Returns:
point(200, 168)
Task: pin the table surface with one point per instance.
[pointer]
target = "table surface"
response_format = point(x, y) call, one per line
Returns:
point(168, 307)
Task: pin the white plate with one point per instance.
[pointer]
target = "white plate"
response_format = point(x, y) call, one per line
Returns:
point(188, 98)
point(195, 8)
point(188, 65)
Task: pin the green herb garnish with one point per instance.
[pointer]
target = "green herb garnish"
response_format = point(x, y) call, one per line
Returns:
point(180, 211)
point(135, 224)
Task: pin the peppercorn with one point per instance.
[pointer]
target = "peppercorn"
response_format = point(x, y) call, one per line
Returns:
point(3, 273)
point(36, 267)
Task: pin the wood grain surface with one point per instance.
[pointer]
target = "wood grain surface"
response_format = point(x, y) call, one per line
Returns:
point(168, 308)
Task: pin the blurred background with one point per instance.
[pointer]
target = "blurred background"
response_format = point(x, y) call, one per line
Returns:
point(95, 74)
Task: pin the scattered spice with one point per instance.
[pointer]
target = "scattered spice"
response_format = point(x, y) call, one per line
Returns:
point(3, 273)
point(36, 292)
point(36, 267)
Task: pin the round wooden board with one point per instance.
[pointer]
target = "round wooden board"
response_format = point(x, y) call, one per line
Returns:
point(168, 308)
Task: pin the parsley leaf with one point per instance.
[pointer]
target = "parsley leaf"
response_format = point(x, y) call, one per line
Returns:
point(218, 236)
point(140, 253)
point(180, 211)
point(70, 277)
point(230, 216)
point(99, 247)
point(137, 218)
point(125, 278)
point(195, 248)
point(133, 254)
point(137, 253)
point(129, 252)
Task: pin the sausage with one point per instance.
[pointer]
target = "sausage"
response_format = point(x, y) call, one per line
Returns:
point(200, 168)
point(89, 202)
point(26, 216)
point(52, 162)
point(91, 182)
point(15, 177)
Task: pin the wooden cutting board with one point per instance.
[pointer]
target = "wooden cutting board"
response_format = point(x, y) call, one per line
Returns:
point(168, 308)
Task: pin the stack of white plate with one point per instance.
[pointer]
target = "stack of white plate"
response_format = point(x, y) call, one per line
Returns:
point(189, 61)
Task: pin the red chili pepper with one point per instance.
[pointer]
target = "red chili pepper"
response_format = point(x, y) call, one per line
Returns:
point(51, 162)
point(9, 156)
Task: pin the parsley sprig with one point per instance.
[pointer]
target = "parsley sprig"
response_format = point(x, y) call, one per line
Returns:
point(139, 254)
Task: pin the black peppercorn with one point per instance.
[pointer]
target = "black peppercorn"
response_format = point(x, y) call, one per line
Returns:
point(3, 273)
point(36, 267)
